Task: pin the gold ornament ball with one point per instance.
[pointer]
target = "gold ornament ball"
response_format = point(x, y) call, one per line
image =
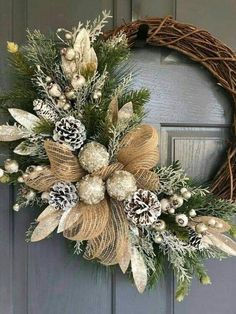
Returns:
point(187, 195)
point(11, 165)
point(20, 179)
point(31, 195)
point(192, 213)
point(1, 172)
point(212, 222)
point(160, 225)
point(91, 189)
point(121, 184)
point(158, 239)
point(93, 156)
point(5, 178)
point(201, 228)
point(16, 207)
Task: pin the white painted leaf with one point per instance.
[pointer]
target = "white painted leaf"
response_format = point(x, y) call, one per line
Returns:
point(47, 211)
point(222, 242)
point(82, 42)
point(62, 222)
point(126, 113)
point(12, 133)
point(139, 270)
point(46, 226)
point(24, 150)
point(125, 259)
point(28, 120)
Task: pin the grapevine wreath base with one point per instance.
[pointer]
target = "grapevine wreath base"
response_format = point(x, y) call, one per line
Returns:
point(202, 47)
point(82, 154)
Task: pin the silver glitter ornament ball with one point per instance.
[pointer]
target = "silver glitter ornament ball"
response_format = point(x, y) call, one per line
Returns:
point(91, 189)
point(93, 156)
point(121, 184)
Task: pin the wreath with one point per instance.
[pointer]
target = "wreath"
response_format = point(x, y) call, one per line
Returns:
point(84, 158)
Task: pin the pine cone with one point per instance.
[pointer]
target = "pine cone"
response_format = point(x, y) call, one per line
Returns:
point(43, 110)
point(143, 208)
point(63, 195)
point(70, 131)
point(194, 238)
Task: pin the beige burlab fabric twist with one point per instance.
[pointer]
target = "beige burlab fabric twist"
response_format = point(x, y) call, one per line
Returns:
point(104, 225)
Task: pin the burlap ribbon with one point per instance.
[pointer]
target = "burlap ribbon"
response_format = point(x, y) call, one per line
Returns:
point(104, 226)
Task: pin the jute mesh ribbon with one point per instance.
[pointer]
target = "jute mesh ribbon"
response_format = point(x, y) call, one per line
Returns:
point(202, 47)
point(104, 226)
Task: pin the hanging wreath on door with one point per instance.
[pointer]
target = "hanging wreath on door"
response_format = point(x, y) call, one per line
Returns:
point(82, 153)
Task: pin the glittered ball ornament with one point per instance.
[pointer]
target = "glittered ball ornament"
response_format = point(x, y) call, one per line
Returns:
point(121, 184)
point(91, 189)
point(11, 165)
point(93, 156)
point(182, 220)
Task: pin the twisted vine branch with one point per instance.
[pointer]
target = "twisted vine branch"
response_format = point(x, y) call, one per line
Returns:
point(218, 58)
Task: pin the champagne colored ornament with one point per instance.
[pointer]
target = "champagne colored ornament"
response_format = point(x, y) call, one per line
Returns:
point(78, 81)
point(97, 94)
point(48, 79)
point(171, 210)
point(120, 185)
point(5, 178)
point(1, 172)
point(192, 213)
point(212, 222)
point(177, 201)
point(93, 156)
point(165, 205)
point(70, 93)
point(11, 165)
point(187, 195)
point(30, 195)
point(70, 54)
point(68, 36)
point(183, 190)
point(201, 228)
point(20, 179)
point(16, 207)
point(54, 90)
point(91, 189)
point(182, 220)
point(45, 196)
point(160, 225)
point(158, 239)
point(67, 107)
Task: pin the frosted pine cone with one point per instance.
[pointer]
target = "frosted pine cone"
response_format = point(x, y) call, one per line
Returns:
point(195, 239)
point(70, 131)
point(43, 110)
point(143, 208)
point(63, 195)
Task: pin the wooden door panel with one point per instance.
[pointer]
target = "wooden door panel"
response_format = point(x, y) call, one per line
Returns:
point(216, 16)
point(128, 300)
point(199, 149)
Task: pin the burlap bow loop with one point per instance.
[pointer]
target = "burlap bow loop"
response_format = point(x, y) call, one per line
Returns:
point(104, 225)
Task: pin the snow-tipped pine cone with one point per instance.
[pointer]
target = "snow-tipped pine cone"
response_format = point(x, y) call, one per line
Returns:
point(63, 195)
point(143, 208)
point(43, 110)
point(70, 131)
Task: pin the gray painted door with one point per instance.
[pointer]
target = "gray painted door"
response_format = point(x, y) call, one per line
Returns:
point(192, 114)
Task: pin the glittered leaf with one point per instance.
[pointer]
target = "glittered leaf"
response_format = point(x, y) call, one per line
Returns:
point(222, 242)
point(126, 113)
point(62, 223)
point(112, 113)
point(12, 133)
point(24, 149)
point(46, 226)
point(46, 212)
point(139, 270)
point(28, 120)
